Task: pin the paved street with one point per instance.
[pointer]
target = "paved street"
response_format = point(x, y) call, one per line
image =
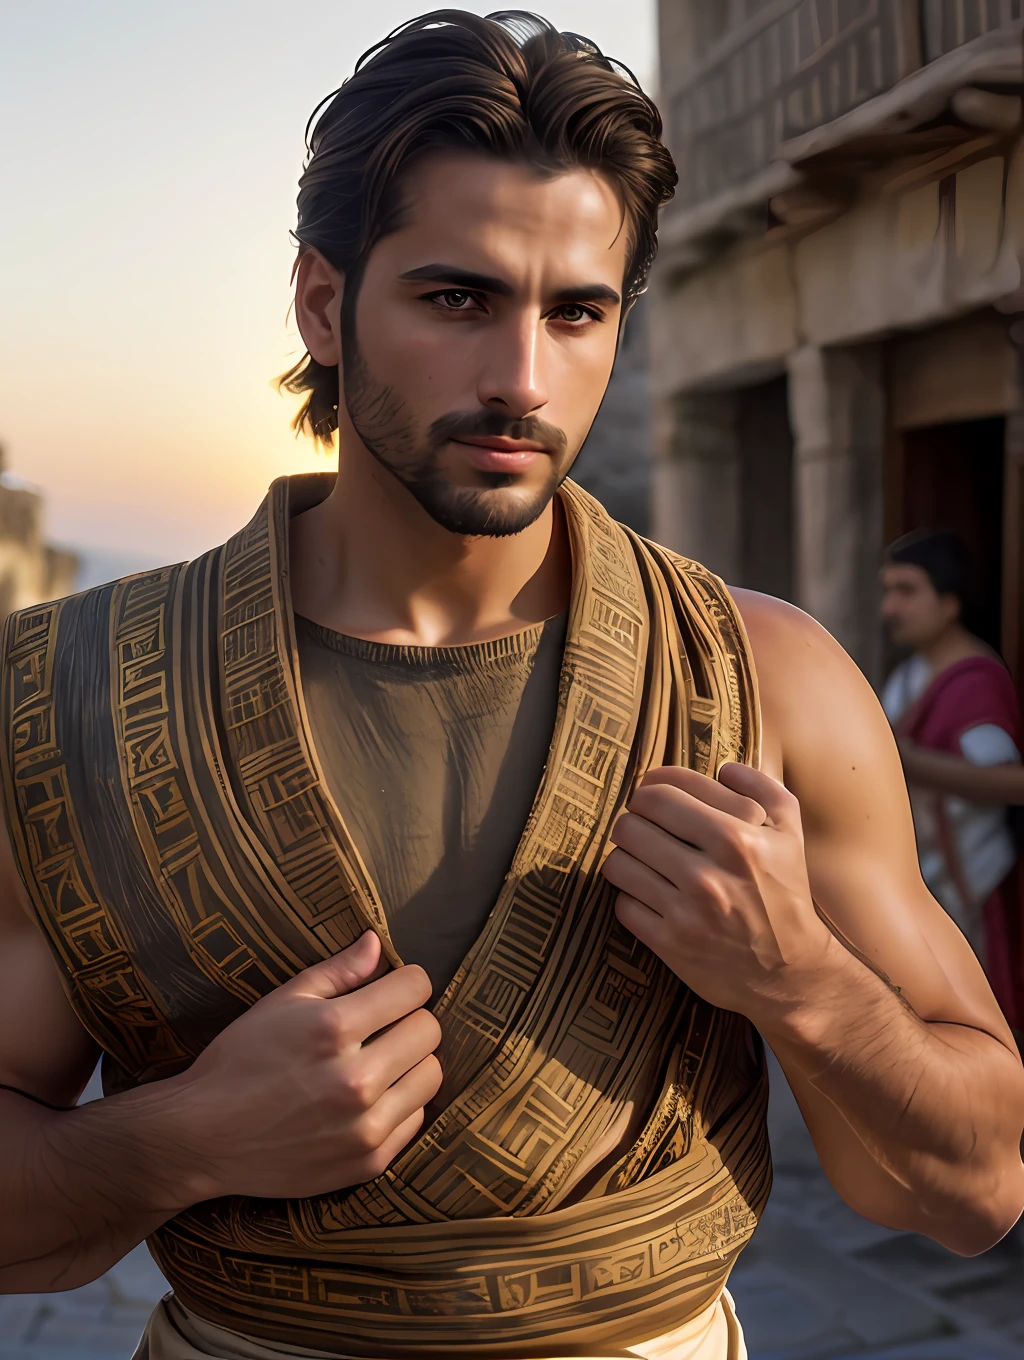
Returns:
point(817, 1283)
point(820, 1283)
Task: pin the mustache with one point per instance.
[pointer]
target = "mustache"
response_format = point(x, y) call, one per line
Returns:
point(481, 424)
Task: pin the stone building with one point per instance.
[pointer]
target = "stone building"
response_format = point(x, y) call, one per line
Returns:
point(615, 463)
point(836, 312)
point(31, 569)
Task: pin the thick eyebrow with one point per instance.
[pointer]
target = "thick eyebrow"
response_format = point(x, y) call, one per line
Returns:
point(490, 283)
point(460, 278)
point(589, 292)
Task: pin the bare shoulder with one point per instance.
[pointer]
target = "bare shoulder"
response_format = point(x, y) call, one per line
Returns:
point(776, 627)
point(816, 703)
point(44, 1048)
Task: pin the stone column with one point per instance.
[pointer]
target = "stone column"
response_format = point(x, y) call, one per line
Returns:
point(695, 482)
point(837, 413)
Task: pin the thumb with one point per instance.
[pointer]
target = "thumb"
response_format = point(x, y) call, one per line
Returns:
point(344, 972)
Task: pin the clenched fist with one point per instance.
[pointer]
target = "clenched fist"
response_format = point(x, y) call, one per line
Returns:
point(712, 877)
point(319, 1086)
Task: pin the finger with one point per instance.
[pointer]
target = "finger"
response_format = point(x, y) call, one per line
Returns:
point(381, 1003)
point(782, 809)
point(375, 1163)
point(630, 876)
point(688, 822)
point(664, 851)
point(406, 1098)
point(342, 973)
point(711, 792)
point(640, 921)
point(386, 1059)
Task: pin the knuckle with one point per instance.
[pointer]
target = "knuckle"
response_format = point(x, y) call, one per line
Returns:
point(328, 1029)
point(707, 883)
point(369, 1133)
point(354, 1087)
point(741, 840)
point(786, 799)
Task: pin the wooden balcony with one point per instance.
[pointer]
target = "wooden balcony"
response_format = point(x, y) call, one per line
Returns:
point(784, 68)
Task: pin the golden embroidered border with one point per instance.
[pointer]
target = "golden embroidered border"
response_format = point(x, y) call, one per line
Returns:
point(114, 1000)
point(540, 1069)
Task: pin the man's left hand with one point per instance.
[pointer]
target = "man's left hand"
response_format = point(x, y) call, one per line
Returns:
point(712, 877)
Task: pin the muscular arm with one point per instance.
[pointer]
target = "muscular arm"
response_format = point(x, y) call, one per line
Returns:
point(953, 775)
point(293, 1099)
point(904, 1069)
point(79, 1189)
point(915, 1100)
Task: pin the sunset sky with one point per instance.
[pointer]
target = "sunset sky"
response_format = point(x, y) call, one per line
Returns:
point(149, 154)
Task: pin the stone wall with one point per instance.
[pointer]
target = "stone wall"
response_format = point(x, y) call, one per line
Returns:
point(913, 255)
point(31, 569)
point(615, 462)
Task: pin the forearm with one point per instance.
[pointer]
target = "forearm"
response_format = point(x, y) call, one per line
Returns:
point(80, 1188)
point(957, 777)
point(939, 1108)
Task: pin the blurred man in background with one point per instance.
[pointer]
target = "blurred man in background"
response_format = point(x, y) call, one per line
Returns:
point(954, 709)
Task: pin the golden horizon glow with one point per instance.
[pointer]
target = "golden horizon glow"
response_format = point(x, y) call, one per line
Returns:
point(149, 192)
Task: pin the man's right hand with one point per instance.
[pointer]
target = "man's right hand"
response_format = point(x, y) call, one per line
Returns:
point(319, 1086)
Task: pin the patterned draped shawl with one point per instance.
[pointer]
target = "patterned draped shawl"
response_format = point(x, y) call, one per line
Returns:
point(597, 1156)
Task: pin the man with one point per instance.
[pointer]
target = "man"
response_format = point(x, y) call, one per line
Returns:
point(441, 729)
point(953, 707)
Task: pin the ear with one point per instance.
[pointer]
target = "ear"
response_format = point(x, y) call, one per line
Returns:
point(951, 608)
point(318, 292)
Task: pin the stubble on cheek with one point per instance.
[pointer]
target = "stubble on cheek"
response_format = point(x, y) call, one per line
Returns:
point(380, 417)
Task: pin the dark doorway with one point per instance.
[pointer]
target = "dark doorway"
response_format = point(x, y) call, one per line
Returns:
point(952, 478)
point(766, 488)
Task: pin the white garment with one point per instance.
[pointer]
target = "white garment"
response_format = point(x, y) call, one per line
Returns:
point(980, 831)
point(175, 1333)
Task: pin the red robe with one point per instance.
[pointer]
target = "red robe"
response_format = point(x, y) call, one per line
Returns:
point(970, 693)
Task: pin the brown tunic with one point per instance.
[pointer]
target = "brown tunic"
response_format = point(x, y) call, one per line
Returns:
point(434, 756)
point(183, 852)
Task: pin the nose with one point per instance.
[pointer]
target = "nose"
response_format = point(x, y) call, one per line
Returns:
point(512, 379)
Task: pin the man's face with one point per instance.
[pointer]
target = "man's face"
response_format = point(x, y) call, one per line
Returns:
point(913, 611)
point(483, 335)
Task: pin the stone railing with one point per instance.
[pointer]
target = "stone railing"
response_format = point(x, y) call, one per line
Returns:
point(791, 66)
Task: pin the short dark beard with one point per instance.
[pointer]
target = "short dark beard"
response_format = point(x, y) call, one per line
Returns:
point(381, 420)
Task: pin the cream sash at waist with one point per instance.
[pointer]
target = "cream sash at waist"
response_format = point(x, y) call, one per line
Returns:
point(174, 1333)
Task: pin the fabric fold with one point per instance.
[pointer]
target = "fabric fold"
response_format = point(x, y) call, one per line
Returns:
point(517, 1223)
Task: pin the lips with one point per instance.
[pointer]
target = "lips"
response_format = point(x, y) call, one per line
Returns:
point(502, 443)
point(495, 453)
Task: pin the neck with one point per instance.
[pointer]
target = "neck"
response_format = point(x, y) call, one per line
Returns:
point(370, 562)
point(954, 644)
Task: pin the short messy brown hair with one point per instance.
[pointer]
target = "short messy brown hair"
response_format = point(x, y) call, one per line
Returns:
point(509, 85)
